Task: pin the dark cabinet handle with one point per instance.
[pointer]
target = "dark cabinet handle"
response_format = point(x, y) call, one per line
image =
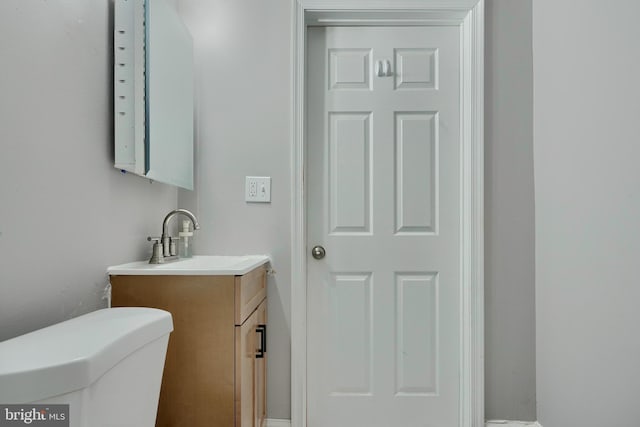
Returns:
point(262, 330)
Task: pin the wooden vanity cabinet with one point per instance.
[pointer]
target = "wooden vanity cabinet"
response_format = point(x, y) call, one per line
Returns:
point(215, 370)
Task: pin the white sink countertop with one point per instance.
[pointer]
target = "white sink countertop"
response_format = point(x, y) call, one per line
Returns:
point(199, 265)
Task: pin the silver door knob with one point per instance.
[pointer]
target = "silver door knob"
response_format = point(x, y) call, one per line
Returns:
point(318, 252)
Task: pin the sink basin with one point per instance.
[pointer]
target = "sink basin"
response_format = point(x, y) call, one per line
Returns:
point(210, 265)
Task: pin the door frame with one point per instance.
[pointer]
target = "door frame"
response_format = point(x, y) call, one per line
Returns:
point(469, 16)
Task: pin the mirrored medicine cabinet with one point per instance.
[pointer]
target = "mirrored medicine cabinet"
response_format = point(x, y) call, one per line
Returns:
point(153, 92)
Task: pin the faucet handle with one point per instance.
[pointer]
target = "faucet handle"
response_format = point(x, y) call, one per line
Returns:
point(156, 257)
point(173, 250)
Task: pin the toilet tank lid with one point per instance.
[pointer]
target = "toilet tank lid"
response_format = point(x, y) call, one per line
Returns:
point(73, 354)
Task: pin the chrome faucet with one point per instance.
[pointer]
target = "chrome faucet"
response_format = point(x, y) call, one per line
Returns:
point(166, 239)
point(164, 246)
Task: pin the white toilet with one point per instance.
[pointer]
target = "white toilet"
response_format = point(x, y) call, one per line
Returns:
point(107, 365)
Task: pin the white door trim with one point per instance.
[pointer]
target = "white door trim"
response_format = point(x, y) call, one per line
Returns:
point(469, 15)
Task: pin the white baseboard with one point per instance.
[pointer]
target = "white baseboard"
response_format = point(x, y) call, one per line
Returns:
point(505, 423)
point(491, 423)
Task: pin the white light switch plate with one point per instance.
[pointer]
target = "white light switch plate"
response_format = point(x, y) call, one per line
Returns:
point(257, 189)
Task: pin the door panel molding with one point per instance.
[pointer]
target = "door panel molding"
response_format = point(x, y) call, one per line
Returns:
point(469, 16)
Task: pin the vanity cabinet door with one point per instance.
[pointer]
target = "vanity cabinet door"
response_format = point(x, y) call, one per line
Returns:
point(261, 367)
point(246, 348)
point(251, 369)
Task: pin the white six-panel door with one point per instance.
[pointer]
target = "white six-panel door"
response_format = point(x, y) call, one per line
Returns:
point(383, 305)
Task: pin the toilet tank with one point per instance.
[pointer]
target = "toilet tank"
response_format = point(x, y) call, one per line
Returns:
point(106, 365)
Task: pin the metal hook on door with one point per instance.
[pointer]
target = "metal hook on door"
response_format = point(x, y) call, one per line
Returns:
point(380, 69)
point(383, 68)
point(387, 68)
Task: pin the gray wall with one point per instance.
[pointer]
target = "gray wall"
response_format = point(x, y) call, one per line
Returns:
point(243, 90)
point(586, 109)
point(65, 212)
point(509, 222)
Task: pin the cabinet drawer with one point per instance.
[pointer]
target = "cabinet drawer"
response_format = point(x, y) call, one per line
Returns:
point(251, 289)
